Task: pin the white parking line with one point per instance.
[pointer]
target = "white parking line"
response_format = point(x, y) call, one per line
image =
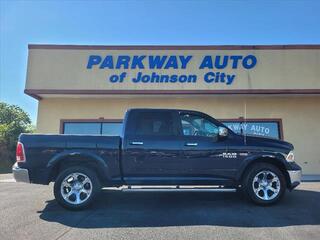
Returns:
point(7, 180)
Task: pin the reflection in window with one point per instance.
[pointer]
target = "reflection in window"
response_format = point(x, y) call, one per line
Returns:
point(82, 128)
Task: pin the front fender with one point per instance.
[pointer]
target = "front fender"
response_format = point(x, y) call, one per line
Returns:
point(271, 157)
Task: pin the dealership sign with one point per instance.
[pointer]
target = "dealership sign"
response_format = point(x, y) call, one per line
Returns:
point(176, 69)
point(152, 68)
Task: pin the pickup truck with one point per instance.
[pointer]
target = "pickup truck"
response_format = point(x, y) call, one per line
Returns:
point(158, 150)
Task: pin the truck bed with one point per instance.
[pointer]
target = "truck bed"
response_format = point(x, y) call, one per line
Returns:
point(46, 150)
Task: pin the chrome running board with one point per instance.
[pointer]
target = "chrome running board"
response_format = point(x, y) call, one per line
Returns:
point(173, 189)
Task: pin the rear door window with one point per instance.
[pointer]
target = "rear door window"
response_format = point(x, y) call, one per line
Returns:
point(154, 124)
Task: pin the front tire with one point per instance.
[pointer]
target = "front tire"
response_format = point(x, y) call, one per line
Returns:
point(264, 184)
point(76, 187)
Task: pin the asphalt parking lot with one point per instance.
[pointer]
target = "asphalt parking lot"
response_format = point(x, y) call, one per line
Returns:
point(30, 212)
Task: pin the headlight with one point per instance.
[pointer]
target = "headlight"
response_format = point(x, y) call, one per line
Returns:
point(290, 157)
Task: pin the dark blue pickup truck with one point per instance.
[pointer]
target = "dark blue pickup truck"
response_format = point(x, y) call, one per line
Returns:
point(162, 150)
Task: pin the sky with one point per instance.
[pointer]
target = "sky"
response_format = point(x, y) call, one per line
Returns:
point(198, 22)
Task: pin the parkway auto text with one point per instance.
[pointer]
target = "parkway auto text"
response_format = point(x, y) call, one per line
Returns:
point(213, 67)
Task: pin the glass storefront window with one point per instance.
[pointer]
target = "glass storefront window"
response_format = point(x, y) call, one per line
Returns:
point(82, 128)
point(111, 129)
point(96, 128)
point(269, 129)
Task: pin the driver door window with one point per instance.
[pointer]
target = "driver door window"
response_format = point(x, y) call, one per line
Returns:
point(194, 125)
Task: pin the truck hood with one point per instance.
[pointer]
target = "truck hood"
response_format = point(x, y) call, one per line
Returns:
point(269, 144)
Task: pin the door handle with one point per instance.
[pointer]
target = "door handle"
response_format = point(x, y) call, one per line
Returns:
point(136, 143)
point(191, 144)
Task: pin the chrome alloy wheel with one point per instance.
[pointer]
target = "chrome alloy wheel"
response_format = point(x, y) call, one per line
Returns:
point(76, 188)
point(266, 185)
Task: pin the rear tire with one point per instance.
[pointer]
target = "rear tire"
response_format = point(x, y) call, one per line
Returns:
point(76, 187)
point(264, 184)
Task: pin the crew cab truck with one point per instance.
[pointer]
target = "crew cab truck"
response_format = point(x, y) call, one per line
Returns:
point(178, 150)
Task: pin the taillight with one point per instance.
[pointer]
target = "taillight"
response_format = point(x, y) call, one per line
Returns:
point(20, 156)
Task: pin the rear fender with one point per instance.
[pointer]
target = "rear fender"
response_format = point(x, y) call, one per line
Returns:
point(102, 166)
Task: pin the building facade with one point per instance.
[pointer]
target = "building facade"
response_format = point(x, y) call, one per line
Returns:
point(271, 91)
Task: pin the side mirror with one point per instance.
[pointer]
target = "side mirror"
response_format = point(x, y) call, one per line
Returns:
point(223, 132)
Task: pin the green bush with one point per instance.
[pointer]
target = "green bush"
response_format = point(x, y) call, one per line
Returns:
point(13, 121)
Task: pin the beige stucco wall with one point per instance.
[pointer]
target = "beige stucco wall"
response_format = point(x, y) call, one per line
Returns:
point(58, 74)
point(300, 115)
